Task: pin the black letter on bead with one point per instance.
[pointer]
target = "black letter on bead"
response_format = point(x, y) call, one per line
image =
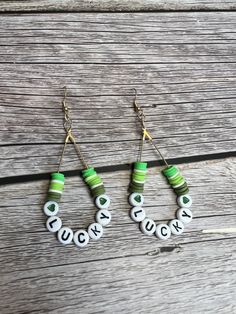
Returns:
point(52, 222)
point(150, 228)
point(137, 211)
point(164, 234)
point(177, 227)
point(95, 231)
point(79, 235)
point(103, 216)
point(185, 214)
point(68, 234)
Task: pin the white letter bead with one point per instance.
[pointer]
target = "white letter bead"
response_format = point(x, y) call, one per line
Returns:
point(185, 215)
point(81, 238)
point(163, 231)
point(102, 201)
point(148, 226)
point(103, 217)
point(65, 235)
point(176, 226)
point(137, 213)
point(136, 199)
point(50, 208)
point(184, 201)
point(53, 223)
point(95, 231)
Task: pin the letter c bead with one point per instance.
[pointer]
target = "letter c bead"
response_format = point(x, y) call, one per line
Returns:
point(81, 238)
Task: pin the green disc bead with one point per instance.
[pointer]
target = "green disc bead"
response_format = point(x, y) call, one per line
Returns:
point(138, 165)
point(183, 192)
point(177, 181)
point(58, 176)
point(53, 197)
point(56, 186)
point(88, 172)
point(170, 171)
point(90, 178)
point(98, 191)
point(94, 181)
point(137, 176)
point(184, 185)
point(134, 189)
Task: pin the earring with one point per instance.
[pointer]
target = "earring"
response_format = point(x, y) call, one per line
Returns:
point(174, 178)
point(102, 218)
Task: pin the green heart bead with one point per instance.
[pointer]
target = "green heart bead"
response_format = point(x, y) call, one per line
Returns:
point(185, 200)
point(138, 198)
point(102, 201)
point(51, 207)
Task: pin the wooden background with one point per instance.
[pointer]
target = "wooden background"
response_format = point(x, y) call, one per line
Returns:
point(183, 66)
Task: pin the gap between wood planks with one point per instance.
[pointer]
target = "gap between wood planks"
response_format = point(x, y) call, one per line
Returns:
point(113, 168)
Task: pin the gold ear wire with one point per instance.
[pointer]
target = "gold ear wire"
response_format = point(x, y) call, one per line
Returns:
point(69, 136)
point(145, 132)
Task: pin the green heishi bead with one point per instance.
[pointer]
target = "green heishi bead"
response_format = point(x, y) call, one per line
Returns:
point(58, 176)
point(178, 180)
point(183, 192)
point(140, 165)
point(88, 172)
point(88, 179)
point(56, 186)
point(95, 182)
point(170, 171)
point(53, 197)
point(98, 191)
point(184, 185)
point(138, 175)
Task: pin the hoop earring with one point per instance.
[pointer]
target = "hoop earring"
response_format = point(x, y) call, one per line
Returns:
point(102, 218)
point(174, 178)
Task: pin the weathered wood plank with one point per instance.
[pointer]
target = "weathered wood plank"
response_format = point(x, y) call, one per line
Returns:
point(114, 5)
point(39, 275)
point(187, 87)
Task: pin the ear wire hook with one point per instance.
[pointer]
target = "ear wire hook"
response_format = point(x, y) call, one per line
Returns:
point(69, 136)
point(145, 132)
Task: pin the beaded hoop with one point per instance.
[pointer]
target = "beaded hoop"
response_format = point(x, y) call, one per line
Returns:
point(102, 218)
point(174, 178)
point(136, 199)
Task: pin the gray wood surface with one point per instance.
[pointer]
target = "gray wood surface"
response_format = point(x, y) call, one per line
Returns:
point(187, 88)
point(114, 5)
point(125, 271)
point(183, 65)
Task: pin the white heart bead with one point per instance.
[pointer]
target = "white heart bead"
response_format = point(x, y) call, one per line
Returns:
point(137, 213)
point(185, 215)
point(184, 201)
point(176, 226)
point(136, 199)
point(51, 208)
point(103, 217)
point(102, 201)
point(53, 224)
point(65, 235)
point(81, 238)
point(163, 231)
point(148, 226)
point(95, 231)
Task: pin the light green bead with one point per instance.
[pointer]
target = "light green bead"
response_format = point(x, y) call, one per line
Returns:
point(140, 165)
point(58, 176)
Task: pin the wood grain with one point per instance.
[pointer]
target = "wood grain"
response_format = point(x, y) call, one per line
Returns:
point(114, 5)
point(182, 65)
point(125, 265)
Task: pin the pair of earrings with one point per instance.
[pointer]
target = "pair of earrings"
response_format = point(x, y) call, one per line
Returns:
point(102, 201)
